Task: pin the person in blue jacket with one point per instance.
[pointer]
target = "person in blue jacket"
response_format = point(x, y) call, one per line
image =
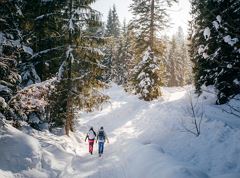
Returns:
point(101, 138)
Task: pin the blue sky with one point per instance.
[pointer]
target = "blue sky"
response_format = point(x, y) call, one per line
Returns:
point(179, 14)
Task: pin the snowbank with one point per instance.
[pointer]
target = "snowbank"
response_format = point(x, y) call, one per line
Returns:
point(18, 151)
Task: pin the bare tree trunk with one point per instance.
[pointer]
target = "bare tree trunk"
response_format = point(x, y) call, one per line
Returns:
point(69, 115)
point(151, 42)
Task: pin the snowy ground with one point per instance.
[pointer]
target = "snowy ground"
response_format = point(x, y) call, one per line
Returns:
point(147, 140)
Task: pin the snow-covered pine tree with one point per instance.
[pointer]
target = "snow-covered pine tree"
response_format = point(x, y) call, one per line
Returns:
point(44, 36)
point(109, 25)
point(81, 69)
point(10, 49)
point(215, 46)
point(123, 62)
point(26, 64)
point(43, 47)
point(54, 33)
point(149, 17)
point(147, 82)
point(112, 33)
point(113, 23)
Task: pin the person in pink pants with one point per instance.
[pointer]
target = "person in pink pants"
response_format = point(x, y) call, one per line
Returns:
point(91, 137)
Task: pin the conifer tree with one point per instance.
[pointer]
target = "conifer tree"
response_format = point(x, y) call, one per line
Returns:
point(109, 26)
point(149, 16)
point(81, 68)
point(10, 52)
point(214, 49)
point(123, 59)
point(113, 23)
point(50, 37)
point(147, 82)
point(178, 62)
point(112, 33)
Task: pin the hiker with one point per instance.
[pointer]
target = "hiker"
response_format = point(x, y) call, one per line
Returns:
point(101, 138)
point(91, 137)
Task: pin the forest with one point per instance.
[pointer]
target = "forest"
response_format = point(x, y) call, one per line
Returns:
point(58, 56)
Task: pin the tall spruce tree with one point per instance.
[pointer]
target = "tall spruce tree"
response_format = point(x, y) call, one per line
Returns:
point(113, 23)
point(112, 33)
point(123, 60)
point(149, 17)
point(81, 67)
point(109, 25)
point(215, 46)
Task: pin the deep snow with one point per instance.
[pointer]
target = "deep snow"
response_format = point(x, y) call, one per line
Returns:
point(147, 140)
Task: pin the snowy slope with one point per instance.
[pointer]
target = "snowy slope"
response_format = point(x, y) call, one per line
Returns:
point(147, 140)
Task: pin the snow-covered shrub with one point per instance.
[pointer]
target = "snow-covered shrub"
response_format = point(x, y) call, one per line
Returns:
point(30, 103)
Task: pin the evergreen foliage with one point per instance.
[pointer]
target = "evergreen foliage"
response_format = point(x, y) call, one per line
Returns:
point(113, 23)
point(215, 46)
point(123, 59)
point(147, 82)
point(112, 33)
point(46, 38)
point(149, 17)
point(10, 52)
point(178, 64)
point(81, 67)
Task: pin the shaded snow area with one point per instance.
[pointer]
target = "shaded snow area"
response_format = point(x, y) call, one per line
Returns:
point(147, 140)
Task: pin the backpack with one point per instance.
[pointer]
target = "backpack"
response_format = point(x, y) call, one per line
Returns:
point(91, 135)
point(101, 135)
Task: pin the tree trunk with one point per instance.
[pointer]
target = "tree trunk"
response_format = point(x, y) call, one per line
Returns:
point(69, 115)
point(152, 26)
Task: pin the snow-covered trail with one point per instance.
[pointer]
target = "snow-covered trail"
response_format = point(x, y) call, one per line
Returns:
point(134, 128)
point(146, 141)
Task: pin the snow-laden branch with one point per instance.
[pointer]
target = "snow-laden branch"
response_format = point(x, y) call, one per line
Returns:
point(45, 15)
point(44, 52)
point(33, 97)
